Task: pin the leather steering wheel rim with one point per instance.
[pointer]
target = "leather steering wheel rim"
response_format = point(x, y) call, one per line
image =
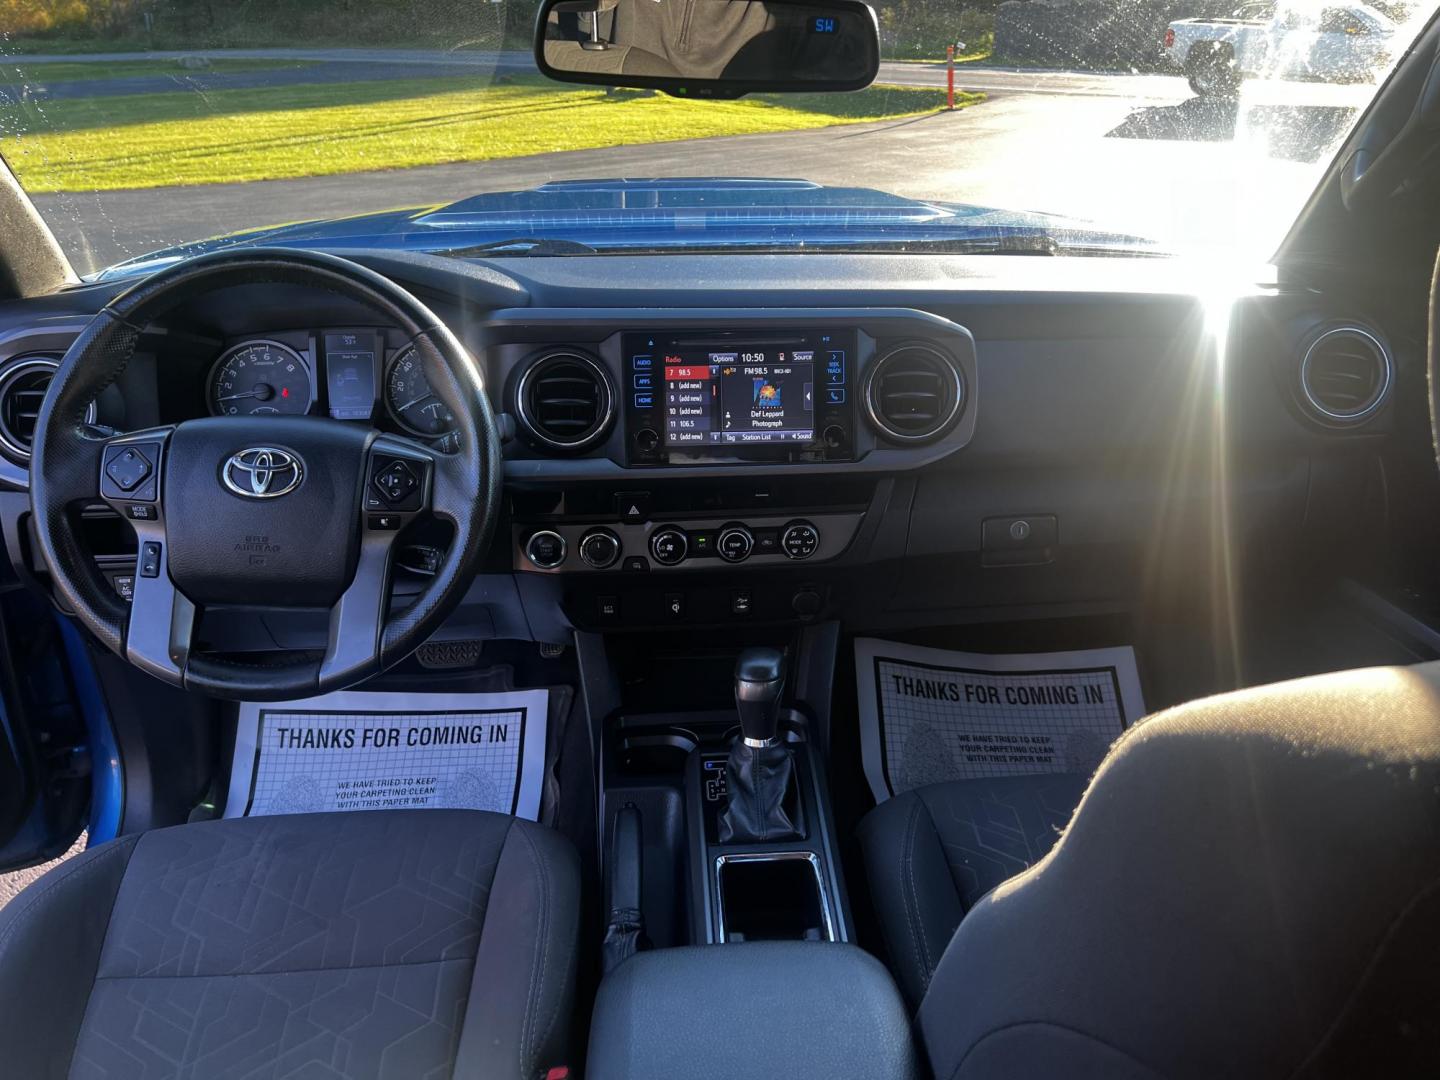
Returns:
point(67, 459)
point(1432, 360)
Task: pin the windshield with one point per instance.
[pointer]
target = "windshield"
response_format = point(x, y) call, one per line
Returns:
point(147, 131)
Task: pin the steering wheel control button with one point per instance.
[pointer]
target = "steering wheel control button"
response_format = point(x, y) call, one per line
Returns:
point(800, 540)
point(546, 549)
point(128, 467)
point(669, 546)
point(141, 512)
point(124, 586)
point(396, 484)
point(384, 522)
point(600, 549)
point(396, 481)
point(130, 472)
point(735, 543)
point(150, 558)
point(633, 507)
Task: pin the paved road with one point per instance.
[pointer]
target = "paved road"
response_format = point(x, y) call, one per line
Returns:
point(1167, 171)
point(1134, 151)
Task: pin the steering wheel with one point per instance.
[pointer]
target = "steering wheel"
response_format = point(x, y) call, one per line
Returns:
point(286, 512)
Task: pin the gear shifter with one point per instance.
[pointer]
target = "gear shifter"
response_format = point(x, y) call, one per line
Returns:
point(764, 803)
point(759, 678)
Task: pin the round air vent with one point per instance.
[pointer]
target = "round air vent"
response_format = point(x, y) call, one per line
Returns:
point(914, 393)
point(1345, 375)
point(22, 392)
point(564, 401)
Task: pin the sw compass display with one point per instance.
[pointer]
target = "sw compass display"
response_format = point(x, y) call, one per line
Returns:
point(258, 378)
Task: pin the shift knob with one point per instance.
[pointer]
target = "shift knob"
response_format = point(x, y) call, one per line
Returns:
point(759, 677)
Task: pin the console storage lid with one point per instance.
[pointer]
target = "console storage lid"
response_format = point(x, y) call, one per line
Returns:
point(751, 1011)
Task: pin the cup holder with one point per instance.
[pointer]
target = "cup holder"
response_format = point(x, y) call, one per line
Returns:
point(772, 896)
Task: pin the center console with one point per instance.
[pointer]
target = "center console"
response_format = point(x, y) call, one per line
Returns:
point(760, 955)
point(751, 1012)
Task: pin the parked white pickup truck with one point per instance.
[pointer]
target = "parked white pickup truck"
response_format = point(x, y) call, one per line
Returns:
point(1333, 42)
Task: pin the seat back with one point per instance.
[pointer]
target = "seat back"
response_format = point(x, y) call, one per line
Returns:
point(1250, 887)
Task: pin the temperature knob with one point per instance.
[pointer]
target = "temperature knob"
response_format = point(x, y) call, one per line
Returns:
point(735, 543)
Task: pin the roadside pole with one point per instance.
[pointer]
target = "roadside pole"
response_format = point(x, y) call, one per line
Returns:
point(950, 78)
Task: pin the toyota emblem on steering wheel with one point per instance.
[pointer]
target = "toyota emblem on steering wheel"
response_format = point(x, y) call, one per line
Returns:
point(262, 472)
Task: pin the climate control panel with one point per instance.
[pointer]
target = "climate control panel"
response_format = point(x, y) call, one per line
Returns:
point(682, 545)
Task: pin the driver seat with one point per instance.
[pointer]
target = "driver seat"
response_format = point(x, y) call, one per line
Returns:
point(382, 944)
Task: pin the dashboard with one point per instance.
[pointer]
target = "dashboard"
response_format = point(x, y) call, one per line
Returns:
point(885, 439)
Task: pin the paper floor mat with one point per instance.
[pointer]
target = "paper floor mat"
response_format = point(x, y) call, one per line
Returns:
point(931, 715)
point(363, 751)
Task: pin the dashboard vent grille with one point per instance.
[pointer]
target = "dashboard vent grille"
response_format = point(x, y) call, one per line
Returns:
point(564, 401)
point(914, 393)
point(1345, 375)
point(22, 392)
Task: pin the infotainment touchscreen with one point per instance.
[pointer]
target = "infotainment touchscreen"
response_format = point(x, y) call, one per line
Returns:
point(738, 395)
point(754, 395)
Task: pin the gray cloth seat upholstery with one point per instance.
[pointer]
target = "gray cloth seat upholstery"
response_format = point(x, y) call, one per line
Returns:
point(931, 853)
point(384, 944)
point(1250, 887)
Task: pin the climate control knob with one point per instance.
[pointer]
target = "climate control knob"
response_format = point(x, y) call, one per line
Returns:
point(735, 543)
point(669, 545)
point(600, 548)
point(800, 540)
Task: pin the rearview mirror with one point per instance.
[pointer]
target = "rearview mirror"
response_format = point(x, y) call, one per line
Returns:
point(710, 48)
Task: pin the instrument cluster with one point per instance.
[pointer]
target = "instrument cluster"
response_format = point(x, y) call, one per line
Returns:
point(346, 374)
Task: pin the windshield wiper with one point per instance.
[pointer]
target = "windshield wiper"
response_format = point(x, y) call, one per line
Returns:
point(522, 245)
point(1000, 242)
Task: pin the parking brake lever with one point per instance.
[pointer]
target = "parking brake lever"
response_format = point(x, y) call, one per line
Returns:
point(625, 927)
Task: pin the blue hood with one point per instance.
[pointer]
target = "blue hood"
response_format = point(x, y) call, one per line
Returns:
point(668, 214)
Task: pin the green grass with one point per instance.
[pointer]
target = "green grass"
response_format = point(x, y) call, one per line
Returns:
point(16, 70)
point(157, 140)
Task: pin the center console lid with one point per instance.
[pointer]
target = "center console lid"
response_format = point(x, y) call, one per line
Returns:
point(751, 1011)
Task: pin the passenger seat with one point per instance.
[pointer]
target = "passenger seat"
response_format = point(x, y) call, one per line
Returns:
point(931, 853)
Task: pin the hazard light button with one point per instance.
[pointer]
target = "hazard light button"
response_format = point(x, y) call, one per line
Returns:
point(633, 507)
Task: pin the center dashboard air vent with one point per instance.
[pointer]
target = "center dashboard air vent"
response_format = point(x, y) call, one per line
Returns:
point(22, 391)
point(564, 401)
point(1345, 375)
point(914, 393)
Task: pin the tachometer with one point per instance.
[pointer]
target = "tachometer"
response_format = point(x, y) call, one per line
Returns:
point(257, 378)
point(411, 401)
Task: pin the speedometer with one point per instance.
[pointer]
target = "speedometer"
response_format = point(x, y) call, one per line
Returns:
point(411, 401)
point(257, 378)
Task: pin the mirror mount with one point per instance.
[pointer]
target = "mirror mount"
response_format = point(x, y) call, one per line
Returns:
point(718, 49)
